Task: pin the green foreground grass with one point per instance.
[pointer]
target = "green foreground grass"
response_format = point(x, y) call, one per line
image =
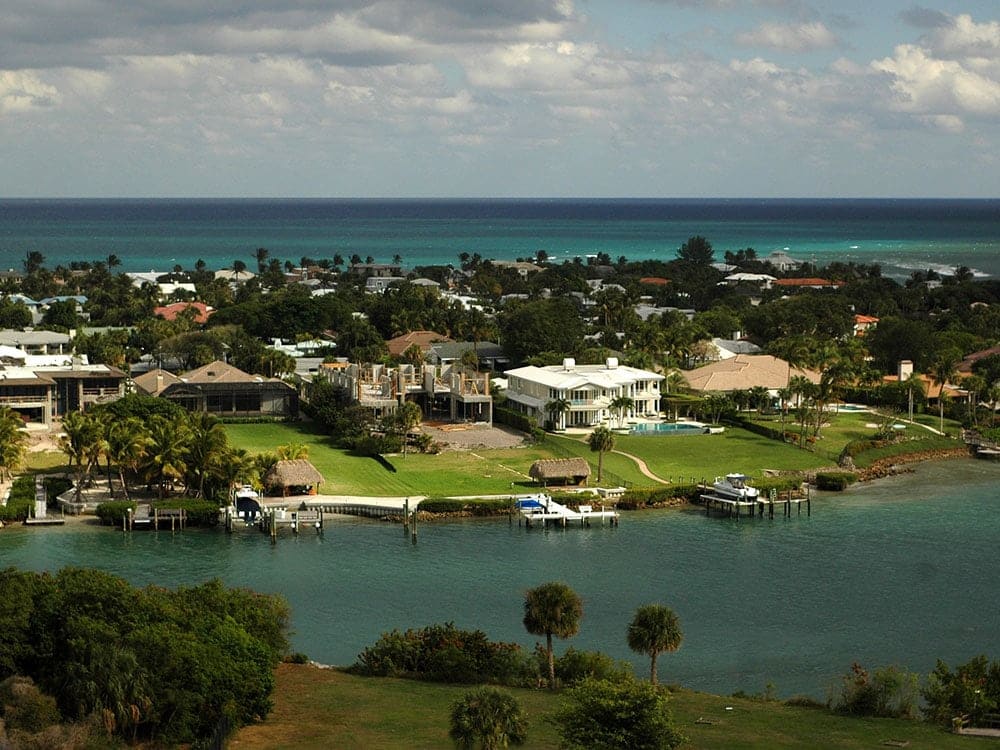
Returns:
point(317, 708)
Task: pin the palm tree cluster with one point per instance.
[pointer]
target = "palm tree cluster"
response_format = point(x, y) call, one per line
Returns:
point(13, 442)
point(161, 452)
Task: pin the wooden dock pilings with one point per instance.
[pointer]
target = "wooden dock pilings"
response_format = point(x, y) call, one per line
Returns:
point(759, 506)
point(296, 520)
point(148, 516)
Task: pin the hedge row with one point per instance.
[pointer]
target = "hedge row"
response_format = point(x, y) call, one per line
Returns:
point(514, 419)
point(773, 433)
point(21, 499)
point(199, 512)
point(644, 497)
point(475, 507)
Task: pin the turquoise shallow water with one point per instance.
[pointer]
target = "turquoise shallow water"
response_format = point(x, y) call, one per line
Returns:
point(902, 235)
point(903, 571)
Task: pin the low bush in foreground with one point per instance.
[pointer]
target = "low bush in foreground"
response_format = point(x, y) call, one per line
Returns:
point(888, 692)
point(972, 689)
point(112, 513)
point(444, 653)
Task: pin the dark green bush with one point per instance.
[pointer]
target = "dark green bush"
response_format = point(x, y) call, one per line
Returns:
point(889, 692)
point(199, 512)
point(21, 500)
point(576, 665)
point(474, 507)
point(23, 706)
point(444, 653)
point(972, 688)
point(514, 419)
point(835, 481)
point(112, 513)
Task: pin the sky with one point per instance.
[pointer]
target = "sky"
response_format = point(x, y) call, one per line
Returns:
point(499, 98)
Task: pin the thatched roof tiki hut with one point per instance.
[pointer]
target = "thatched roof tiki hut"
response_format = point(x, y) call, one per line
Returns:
point(569, 470)
point(297, 474)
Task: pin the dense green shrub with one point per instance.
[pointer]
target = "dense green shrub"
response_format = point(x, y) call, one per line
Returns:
point(164, 665)
point(644, 497)
point(55, 486)
point(774, 433)
point(474, 507)
point(199, 512)
point(444, 653)
point(973, 689)
point(21, 500)
point(889, 692)
point(576, 665)
point(616, 714)
point(835, 481)
point(112, 513)
point(23, 706)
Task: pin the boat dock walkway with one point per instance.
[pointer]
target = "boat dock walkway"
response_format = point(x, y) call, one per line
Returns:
point(543, 509)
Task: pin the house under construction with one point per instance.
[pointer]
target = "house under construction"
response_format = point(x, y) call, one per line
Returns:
point(445, 392)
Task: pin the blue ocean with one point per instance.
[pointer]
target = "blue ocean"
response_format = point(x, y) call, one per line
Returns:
point(900, 235)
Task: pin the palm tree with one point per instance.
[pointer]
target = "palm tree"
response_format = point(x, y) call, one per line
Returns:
point(167, 451)
point(490, 717)
point(552, 609)
point(13, 442)
point(127, 441)
point(261, 254)
point(556, 408)
point(622, 404)
point(407, 416)
point(975, 386)
point(207, 448)
point(292, 451)
point(601, 441)
point(239, 267)
point(82, 442)
point(944, 369)
point(653, 630)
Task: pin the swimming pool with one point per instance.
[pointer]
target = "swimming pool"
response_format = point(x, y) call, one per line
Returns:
point(669, 428)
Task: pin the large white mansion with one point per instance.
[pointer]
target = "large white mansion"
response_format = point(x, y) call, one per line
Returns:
point(588, 390)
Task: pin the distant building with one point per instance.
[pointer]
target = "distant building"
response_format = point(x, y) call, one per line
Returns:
point(378, 284)
point(782, 261)
point(745, 371)
point(488, 354)
point(806, 283)
point(421, 339)
point(376, 269)
point(37, 342)
point(202, 312)
point(43, 387)
point(863, 323)
point(729, 348)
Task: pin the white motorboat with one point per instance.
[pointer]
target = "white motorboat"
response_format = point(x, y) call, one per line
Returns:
point(734, 487)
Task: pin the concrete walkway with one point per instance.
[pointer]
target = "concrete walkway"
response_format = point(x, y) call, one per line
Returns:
point(643, 468)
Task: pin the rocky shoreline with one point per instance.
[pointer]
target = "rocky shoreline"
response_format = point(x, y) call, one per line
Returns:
point(893, 465)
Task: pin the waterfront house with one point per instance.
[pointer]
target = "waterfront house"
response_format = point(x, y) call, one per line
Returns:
point(44, 387)
point(223, 390)
point(586, 391)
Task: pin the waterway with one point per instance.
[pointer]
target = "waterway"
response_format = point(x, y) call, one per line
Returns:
point(901, 571)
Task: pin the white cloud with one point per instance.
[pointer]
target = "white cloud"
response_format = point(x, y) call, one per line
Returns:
point(789, 37)
point(928, 85)
point(963, 37)
point(22, 91)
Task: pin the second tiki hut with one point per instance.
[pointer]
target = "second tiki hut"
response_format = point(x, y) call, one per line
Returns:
point(294, 477)
point(565, 470)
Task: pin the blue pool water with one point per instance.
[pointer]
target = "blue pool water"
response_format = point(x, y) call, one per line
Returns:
point(668, 428)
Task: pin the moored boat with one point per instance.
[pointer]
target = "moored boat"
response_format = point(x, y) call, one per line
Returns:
point(734, 487)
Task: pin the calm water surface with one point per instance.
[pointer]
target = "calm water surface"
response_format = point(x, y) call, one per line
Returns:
point(899, 572)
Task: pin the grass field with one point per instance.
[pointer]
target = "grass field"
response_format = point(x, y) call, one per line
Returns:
point(324, 708)
point(498, 472)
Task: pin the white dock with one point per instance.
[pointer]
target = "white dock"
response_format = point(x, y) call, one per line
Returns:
point(544, 510)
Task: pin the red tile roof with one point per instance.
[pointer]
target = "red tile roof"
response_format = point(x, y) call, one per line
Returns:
point(806, 282)
point(170, 312)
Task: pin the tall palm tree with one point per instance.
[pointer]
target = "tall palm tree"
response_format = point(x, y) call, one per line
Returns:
point(167, 452)
point(207, 449)
point(653, 630)
point(622, 404)
point(601, 441)
point(944, 369)
point(552, 609)
point(490, 717)
point(82, 442)
point(261, 254)
point(13, 442)
point(127, 441)
point(407, 416)
point(556, 408)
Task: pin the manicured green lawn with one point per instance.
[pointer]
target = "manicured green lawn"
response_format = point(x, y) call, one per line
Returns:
point(704, 456)
point(324, 708)
point(450, 473)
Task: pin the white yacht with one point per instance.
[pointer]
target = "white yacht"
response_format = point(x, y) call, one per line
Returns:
point(734, 487)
